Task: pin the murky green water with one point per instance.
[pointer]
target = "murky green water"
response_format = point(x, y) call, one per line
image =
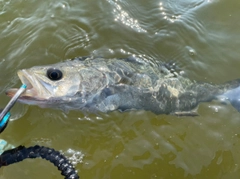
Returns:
point(202, 36)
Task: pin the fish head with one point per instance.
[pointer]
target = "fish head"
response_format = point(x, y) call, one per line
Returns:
point(46, 84)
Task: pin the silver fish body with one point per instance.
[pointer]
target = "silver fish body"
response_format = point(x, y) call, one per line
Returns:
point(99, 84)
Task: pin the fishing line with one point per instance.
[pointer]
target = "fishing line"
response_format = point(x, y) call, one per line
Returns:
point(20, 153)
point(5, 114)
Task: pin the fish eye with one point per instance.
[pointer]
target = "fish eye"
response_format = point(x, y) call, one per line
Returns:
point(54, 74)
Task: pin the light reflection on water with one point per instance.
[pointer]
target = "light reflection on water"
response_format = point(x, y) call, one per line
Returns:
point(201, 36)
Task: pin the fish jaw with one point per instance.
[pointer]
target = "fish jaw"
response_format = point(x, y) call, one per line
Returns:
point(32, 92)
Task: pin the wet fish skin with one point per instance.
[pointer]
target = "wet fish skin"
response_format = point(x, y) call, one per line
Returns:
point(99, 84)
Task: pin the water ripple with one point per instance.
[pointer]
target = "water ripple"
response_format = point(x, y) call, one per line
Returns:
point(122, 16)
point(134, 144)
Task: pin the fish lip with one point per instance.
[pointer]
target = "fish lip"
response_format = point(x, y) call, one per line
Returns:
point(31, 91)
point(24, 76)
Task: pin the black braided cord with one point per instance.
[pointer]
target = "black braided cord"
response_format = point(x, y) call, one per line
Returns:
point(20, 153)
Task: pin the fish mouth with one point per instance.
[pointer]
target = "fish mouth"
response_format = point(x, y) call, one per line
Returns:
point(31, 92)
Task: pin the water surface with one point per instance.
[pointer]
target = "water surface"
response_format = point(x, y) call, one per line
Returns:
point(202, 36)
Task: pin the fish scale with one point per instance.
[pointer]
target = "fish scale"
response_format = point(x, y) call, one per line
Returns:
point(98, 84)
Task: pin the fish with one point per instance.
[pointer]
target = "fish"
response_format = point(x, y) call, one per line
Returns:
point(97, 84)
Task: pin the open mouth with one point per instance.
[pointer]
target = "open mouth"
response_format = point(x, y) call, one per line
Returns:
point(26, 79)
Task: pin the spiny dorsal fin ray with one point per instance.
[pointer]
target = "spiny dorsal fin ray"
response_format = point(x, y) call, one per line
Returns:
point(172, 69)
point(81, 58)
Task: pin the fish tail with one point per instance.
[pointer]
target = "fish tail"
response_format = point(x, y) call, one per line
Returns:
point(231, 93)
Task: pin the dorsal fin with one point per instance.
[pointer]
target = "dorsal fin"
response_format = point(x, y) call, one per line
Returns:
point(133, 59)
point(172, 69)
point(81, 58)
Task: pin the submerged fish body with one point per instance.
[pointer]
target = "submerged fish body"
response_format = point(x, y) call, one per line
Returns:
point(98, 84)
